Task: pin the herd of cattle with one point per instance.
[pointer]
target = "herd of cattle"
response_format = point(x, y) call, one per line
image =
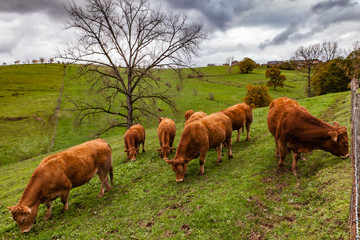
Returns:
point(293, 127)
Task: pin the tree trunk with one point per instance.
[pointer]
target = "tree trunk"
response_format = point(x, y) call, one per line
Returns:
point(129, 119)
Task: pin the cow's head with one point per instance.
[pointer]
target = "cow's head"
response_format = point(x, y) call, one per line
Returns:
point(339, 143)
point(179, 166)
point(165, 151)
point(23, 216)
point(131, 153)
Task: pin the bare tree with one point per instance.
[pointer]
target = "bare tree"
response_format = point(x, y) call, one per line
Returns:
point(330, 50)
point(228, 62)
point(120, 42)
point(307, 58)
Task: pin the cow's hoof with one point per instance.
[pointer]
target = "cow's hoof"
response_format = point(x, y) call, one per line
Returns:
point(230, 156)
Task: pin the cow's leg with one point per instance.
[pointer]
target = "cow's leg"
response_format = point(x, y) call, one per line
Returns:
point(143, 146)
point(48, 210)
point(238, 135)
point(202, 160)
point(218, 149)
point(171, 144)
point(104, 182)
point(277, 154)
point(282, 152)
point(229, 144)
point(248, 125)
point(64, 196)
point(296, 157)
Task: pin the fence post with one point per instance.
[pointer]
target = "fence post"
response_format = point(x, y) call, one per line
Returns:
point(355, 153)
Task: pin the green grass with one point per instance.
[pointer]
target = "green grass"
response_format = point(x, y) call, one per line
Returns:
point(246, 197)
point(28, 97)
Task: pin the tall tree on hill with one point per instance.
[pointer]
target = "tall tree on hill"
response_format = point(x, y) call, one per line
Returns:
point(120, 42)
point(276, 79)
point(247, 65)
point(307, 58)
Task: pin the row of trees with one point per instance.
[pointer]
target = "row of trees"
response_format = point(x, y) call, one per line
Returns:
point(34, 61)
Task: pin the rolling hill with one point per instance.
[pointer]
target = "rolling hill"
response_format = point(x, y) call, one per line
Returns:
point(246, 197)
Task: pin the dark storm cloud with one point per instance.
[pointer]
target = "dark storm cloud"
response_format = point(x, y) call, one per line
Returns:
point(53, 8)
point(282, 37)
point(218, 14)
point(326, 5)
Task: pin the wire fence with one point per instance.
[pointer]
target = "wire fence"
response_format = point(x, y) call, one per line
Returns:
point(355, 157)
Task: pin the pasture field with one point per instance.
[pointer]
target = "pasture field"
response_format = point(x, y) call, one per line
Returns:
point(194, 94)
point(28, 97)
point(246, 197)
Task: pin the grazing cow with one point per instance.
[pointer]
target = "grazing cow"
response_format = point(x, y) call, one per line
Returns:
point(297, 130)
point(240, 115)
point(208, 132)
point(195, 116)
point(133, 137)
point(57, 174)
point(166, 134)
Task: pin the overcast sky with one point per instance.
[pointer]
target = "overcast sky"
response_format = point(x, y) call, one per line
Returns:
point(263, 30)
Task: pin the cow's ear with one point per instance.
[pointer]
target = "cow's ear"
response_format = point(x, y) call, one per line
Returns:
point(160, 119)
point(10, 208)
point(26, 209)
point(159, 149)
point(126, 150)
point(169, 162)
point(333, 135)
point(187, 160)
point(336, 124)
point(171, 148)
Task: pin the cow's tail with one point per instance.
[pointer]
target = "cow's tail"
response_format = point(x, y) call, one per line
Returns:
point(111, 174)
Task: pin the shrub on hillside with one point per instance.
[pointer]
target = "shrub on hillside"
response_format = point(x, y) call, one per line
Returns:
point(330, 77)
point(257, 96)
point(247, 65)
point(276, 79)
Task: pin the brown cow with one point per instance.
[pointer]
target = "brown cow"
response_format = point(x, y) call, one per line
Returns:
point(166, 134)
point(297, 130)
point(240, 115)
point(195, 116)
point(57, 174)
point(133, 137)
point(208, 132)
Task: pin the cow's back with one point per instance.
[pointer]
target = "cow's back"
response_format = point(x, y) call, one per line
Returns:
point(195, 116)
point(297, 125)
point(219, 128)
point(134, 136)
point(166, 130)
point(77, 164)
point(237, 116)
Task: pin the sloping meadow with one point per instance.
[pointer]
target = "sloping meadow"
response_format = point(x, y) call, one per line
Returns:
point(246, 197)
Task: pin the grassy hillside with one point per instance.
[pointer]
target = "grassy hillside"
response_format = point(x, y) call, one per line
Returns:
point(246, 197)
point(194, 94)
point(28, 97)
